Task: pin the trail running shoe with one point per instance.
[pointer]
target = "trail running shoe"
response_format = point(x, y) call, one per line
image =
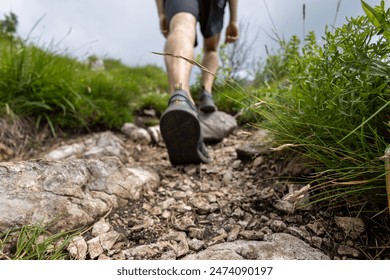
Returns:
point(206, 102)
point(180, 129)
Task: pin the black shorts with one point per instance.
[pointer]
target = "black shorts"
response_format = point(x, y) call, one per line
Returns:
point(209, 13)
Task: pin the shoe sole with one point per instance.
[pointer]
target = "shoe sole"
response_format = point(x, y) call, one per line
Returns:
point(180, 129)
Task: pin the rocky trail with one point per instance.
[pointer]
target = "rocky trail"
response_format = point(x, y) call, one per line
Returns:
point(121, 188)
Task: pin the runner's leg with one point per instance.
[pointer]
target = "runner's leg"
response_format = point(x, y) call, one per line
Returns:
point(210, 61)
point(180, 42)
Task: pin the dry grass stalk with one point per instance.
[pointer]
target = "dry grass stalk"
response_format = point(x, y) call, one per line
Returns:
point(193, 62)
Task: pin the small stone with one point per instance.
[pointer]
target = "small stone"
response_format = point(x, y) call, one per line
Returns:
point(252, 235)
point(273, 216)
point(182, 247)
point(217, 239)
point(258, 161)
point(294, 219)
point(266, 230)
point(284, 206)
point(227, 178)
point(66, 151)
point(352, 227)
point(136, 134)
point(167, 203)
point(298, 232)
point(211, 198)
point(182, 207)
point(190, 169)
point(78, 248)
point(184, 222)
point(238, 213)
point(147, 223)
point(179, 195)
point(95, 249)
point(100, 227)
point(317, 227)
point(104, 257)
point(233, 234)
point(107, 240)
point(201, 204)
point(196, 233)
point(348, 251)
point(155, 133)
point(156, 211)
point(278, 226)
point(264, 219)
point(196, 244)
point(316, 242)
point(245, 221)
point(236, 164)
point(150, 251)
point(119, 256)
point(166, 214)
point(169, 255)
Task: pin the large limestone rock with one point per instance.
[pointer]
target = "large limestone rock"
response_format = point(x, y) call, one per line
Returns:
point(280, 246)
point(216, 126)
point(76, 192)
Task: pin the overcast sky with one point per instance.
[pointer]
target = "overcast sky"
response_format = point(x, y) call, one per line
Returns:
point(128, 29)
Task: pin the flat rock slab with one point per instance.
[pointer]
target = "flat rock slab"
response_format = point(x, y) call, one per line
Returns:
point(95, 146)
point(280, 246)
point(76, 192)
point(216, 126)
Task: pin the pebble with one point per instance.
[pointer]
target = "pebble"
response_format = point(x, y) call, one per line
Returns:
point(196, 233)
point(233, 234)
point(227, 178)
point(278, 226)
point(100, 227)
point(284, 206)
point(352, 227)
point(317, 227)
point(348, 251)
point(78, 248)
point(196, 244)
point(95, 249)
point(217, 239)
point(252, 234)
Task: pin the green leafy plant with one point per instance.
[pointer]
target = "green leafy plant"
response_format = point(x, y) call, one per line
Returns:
point(334, 107)
point(379, 17)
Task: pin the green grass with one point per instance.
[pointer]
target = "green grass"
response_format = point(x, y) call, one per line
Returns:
point(333, 106)
point(34, 243)
point(59, 91)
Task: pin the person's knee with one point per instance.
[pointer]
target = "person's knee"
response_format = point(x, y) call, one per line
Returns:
point(183, 22)
point(211, 44)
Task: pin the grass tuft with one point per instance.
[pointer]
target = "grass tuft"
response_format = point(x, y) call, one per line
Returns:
point(34, 243)
point(333, 106)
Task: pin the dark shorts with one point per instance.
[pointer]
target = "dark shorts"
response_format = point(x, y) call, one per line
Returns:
point(209, 13)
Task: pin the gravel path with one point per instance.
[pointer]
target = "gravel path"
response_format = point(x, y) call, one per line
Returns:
point(197, 211)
